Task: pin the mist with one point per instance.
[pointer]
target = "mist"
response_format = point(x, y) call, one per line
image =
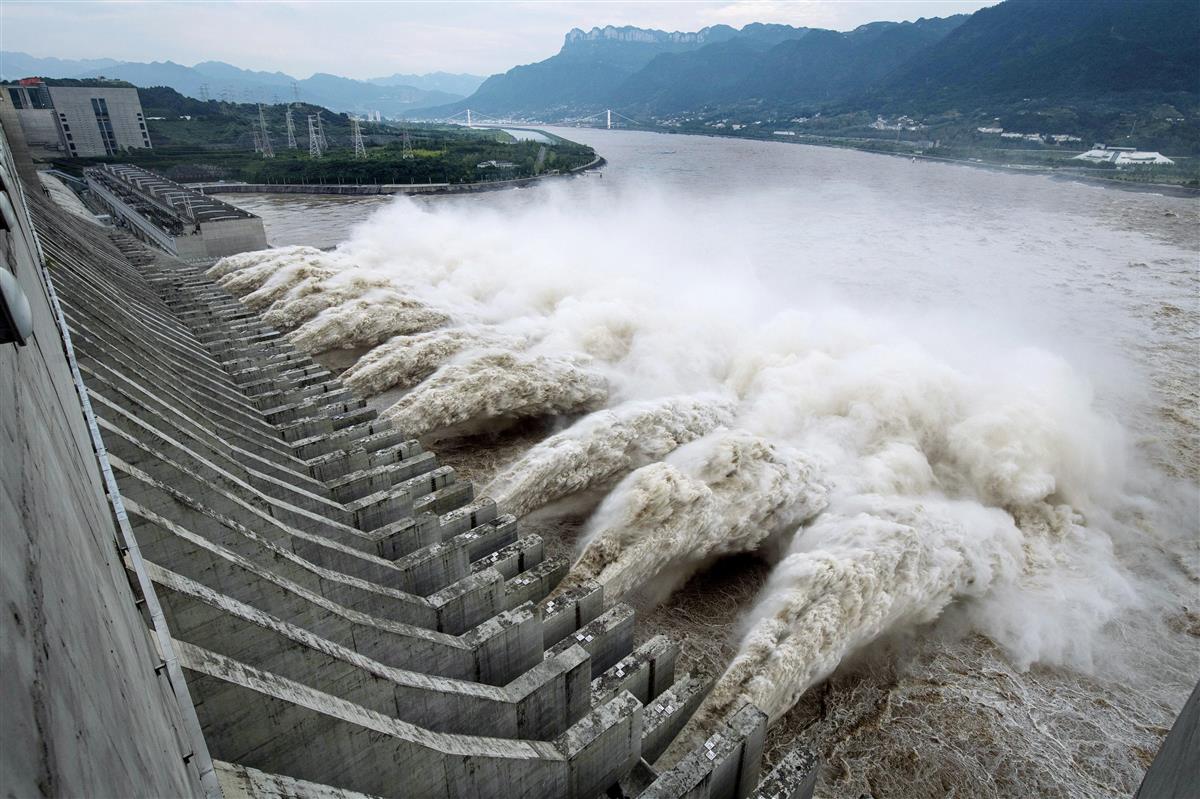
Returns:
point(902, 452)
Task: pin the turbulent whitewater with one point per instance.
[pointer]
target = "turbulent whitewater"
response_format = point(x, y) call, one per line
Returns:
point(914, 471)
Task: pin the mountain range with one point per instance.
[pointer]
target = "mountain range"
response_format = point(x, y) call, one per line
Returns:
point(1117, 56)
point(393, 95)
point(1047, 51)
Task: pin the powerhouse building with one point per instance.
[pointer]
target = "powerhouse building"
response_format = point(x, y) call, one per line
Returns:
point(189, 225)
point(77, 121)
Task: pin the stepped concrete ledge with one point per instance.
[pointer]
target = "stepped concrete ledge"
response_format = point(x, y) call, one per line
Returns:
point(336, 614)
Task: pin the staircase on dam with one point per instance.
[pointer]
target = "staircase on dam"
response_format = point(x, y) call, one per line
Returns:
point(336, 613)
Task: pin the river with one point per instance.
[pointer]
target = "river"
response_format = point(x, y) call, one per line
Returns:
point(1057, 326)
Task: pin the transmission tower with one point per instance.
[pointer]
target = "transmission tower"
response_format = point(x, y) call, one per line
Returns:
point(314, 140)
point(360, 151)
point(295, 92)
point(204, 92)
point(321, 134)
point(267, 150)
point(291, 129)
point(406, 144)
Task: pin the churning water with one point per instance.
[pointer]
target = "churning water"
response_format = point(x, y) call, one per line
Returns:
point(954, 412)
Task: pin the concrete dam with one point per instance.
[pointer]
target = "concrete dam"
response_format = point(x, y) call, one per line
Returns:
point(227, 576)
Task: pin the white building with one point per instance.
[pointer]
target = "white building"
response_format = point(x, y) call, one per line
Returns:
point(1123, 156)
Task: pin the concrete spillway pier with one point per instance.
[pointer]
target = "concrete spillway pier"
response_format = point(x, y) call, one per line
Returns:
point(231, 578)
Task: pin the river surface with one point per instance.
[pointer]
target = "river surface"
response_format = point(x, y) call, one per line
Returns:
point(973, 265)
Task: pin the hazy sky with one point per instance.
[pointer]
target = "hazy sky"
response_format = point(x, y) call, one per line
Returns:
point(363, 39)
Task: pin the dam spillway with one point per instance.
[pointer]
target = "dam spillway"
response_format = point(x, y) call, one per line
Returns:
point(273, 591)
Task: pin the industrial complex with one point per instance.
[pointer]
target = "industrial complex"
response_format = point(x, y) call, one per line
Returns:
point(226, 576)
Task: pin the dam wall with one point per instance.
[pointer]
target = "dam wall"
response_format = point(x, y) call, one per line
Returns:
point(233, 578)
point(79, 660)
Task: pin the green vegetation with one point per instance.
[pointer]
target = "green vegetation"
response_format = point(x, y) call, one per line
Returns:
point(197, 140)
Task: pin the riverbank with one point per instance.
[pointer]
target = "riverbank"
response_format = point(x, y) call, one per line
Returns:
point(1168, 189)
point(372, 189)
point(859, 145)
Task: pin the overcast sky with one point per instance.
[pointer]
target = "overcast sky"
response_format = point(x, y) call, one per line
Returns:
point(368, 39)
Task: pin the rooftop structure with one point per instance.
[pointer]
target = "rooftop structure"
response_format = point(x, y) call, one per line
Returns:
point(173, 217)
point(77, 121)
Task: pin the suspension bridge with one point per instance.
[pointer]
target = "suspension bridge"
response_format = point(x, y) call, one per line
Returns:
point(608, 118)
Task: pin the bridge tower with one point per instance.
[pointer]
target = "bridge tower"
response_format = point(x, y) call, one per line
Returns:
point(468, 117)
point(608, 119)
point(267, 150)
point(314, 141)
point(360, 151)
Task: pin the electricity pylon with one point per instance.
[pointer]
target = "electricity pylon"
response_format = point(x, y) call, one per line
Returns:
point(314, 140)
point(267, 150)
point(321, 134)
point(291, 129)
point(360, 151)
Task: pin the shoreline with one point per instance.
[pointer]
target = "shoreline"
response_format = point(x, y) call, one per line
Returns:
point(1054, 174)
point(1170, 189)
point(376, 189)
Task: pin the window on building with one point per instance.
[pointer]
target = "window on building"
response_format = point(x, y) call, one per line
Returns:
point(100, 109)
